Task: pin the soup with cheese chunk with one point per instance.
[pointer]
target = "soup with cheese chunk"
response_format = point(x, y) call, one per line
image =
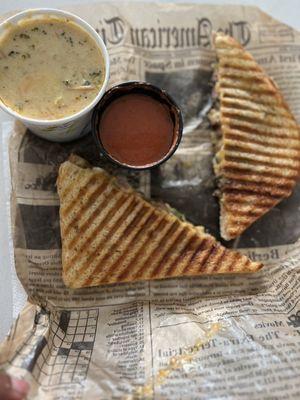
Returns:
point(50, 68)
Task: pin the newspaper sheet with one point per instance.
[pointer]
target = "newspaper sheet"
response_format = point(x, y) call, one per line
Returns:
point(212, 337)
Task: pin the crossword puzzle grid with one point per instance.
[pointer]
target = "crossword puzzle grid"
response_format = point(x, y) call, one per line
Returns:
point(65, 355)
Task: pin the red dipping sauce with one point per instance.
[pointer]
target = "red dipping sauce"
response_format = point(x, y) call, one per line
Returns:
point(136, 129)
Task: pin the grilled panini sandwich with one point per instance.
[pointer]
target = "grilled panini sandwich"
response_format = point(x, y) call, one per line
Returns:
point(111, 234)
point(257, 158)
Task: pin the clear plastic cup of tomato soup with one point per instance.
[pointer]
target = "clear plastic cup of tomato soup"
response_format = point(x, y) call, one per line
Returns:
point(54, 69)
point(137, 125)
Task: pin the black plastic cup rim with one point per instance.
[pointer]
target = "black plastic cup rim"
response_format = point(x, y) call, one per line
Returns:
point(142, 88)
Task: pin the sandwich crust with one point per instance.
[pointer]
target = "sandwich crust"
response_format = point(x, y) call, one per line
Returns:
point(258, 159)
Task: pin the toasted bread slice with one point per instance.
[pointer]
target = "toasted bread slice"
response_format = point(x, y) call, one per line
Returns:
point(258, 156)
point(111, 234)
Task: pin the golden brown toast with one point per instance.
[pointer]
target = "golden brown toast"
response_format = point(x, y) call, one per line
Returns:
point(110, 233)
point(258, 159)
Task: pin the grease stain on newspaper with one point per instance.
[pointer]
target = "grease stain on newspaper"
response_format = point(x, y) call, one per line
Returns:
point(175, 363)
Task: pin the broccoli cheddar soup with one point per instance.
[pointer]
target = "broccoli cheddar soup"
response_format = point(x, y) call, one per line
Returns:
point(50, 68)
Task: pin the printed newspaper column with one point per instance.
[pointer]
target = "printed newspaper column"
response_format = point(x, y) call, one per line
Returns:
point(122, 345)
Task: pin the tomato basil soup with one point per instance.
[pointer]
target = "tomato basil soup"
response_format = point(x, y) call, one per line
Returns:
point(50, 68)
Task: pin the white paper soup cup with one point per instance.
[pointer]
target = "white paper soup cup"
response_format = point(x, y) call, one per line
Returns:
point(72, 126)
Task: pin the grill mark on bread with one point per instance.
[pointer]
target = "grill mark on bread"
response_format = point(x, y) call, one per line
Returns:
point(242, 95)
point(133, 259)
point(253, 84)
point(81, 192)
point(257, 139)
point(177, 248)
point(239, 212)
point(227, 62)
point(81, 230)
point(247, 104)
point(151, 220)
point(247, 264)
point(234, 175)
point(181, 257)
point(138, 217)
point(247, 89)
point(167, 239)
point(247, 148)
point(134, 267)
point(160, 251)
point(242, 78)
point(100, 225)
point(261, 131)
point(241, 158)
point(213, 255)
point(92, 198)
point(134, 264)
point(210, 250)
point(257, 198)
point(73, 245)
point(238, 168)
point(164, 258)
point(199, 248)
point(257, 188)
point(130, 206)
point(234, 259)
point(234, 72)
point(218, 259)
point(256, 120)
point(65, 190)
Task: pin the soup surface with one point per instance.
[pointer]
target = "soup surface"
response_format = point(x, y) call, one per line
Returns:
point(50, 68)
